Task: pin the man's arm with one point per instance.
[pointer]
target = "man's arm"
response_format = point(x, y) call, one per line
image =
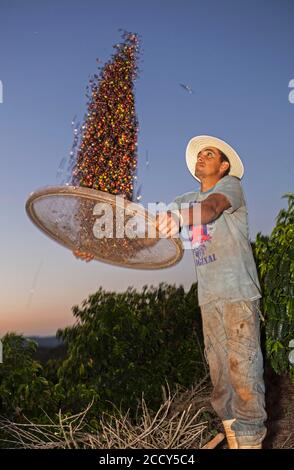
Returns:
point(199, 213)
point(208, 210)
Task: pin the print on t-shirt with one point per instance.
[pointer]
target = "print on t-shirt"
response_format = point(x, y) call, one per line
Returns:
point(200, 238)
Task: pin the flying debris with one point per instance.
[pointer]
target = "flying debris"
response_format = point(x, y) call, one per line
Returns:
point(147, 159)
point(139, 193)
point(73, 121)
point(35, 280)
point(61, 167)
point(187, 88)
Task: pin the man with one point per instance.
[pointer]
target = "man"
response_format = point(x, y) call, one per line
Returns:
point(228, 286)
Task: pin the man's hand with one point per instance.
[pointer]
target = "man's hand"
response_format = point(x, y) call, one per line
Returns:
point(167, 224)
point(83, 255)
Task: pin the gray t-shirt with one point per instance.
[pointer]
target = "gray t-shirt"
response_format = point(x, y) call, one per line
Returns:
point(223, 256)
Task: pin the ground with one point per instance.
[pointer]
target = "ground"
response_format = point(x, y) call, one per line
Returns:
point(279, 406)
point(280, 409)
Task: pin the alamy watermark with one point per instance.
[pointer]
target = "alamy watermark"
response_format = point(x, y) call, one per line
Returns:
point(1, 352)
point(131, 223)
point(291, 94)
point(1, 92)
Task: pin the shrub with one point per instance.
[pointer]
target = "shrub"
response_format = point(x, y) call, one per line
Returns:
point(126, 344)
point(275, 261)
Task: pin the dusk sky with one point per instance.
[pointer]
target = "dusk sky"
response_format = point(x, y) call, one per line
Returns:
point(237, 56)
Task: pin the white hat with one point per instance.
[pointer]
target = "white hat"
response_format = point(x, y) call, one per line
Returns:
point(196, 144)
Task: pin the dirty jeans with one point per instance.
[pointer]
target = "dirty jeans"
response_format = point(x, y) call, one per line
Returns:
point(232, 346)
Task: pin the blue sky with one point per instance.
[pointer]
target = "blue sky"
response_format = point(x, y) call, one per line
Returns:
point(236, 55)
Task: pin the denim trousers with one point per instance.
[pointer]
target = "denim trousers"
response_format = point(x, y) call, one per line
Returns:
point(232, 347)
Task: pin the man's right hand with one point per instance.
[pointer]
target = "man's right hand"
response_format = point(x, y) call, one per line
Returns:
point(83, 255)
point(167, 224)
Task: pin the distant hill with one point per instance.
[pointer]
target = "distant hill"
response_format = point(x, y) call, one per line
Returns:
point(46, 341)
point(49, 347)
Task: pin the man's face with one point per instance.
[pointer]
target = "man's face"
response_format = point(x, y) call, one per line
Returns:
point(209, 163)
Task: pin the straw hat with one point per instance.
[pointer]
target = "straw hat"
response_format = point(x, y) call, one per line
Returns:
point(196, 144)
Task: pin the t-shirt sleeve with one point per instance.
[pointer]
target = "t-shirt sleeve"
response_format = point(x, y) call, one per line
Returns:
point(230, 187)
point(181, 199)
point(176, 203)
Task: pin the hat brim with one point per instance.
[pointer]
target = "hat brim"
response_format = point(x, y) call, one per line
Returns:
point(196, 144)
